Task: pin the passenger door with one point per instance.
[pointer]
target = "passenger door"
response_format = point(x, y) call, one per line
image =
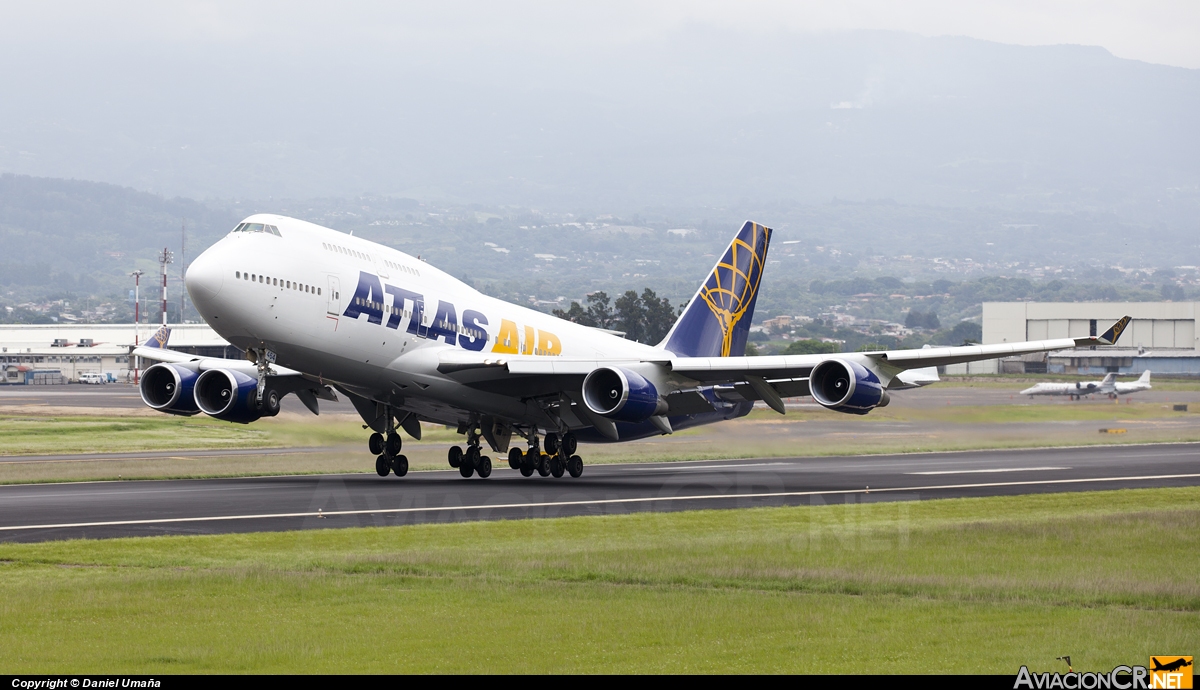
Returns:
point(333, 300)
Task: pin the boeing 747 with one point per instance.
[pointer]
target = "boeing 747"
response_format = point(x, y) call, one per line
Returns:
point(319, 312)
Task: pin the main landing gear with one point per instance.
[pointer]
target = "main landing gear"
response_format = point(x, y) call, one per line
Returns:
point(472, 461)
point(387, 448)
point(558, 459)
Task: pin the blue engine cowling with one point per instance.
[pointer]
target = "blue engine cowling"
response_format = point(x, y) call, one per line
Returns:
point(227, 395)
point(168, 388)
point(846, 387)
point(621, 394)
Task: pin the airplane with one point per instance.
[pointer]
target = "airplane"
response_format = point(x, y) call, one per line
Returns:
point(1108, 386)
point(319, 312)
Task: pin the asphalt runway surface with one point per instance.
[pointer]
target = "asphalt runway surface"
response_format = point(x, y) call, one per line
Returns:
point(39, 512)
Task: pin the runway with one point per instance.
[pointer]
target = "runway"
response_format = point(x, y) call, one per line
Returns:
point(41, 512)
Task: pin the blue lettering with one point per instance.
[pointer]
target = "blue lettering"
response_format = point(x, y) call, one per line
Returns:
point(445, 323)
point(473, 323)
point(400, 295)
point(368, 299)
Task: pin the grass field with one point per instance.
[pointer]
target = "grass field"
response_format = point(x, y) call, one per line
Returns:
point(335, 443)
point(961, 585)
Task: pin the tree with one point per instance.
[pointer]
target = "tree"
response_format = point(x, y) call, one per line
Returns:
point(660, 316)
point(598, 311)
point(576, 314)
point(629, 316)
point(809, 347)
point(919, 319)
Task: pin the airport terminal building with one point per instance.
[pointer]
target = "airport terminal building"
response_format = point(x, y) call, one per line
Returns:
point(1162, 338)
point(57, 353)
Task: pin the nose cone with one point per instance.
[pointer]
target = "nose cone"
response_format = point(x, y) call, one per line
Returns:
point(204, 279)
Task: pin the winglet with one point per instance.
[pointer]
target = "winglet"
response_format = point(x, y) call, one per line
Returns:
point(158, 341)
point(1114, 332)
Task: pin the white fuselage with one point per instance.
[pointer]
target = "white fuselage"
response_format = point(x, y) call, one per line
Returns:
point(368, 317)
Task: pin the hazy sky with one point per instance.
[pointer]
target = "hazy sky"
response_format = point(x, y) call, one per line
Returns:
point(1158, 31)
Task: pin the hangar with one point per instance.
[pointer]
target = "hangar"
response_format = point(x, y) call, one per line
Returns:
point(75, 349)
point(1162, 337)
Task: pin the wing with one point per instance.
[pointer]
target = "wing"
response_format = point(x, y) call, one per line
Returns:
point(787, 375)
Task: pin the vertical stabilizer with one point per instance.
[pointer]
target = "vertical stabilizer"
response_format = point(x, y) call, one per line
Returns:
point(159, 340)
point(716, 323)
point(1145, 377)
point(1108, 379)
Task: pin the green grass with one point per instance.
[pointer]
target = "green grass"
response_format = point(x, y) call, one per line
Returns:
point(55, 435)
point(963, 585)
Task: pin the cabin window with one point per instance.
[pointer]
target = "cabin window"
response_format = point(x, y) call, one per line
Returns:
point(237, 274)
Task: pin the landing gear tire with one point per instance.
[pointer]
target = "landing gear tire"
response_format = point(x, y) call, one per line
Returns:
point(270, 402)
point(526, 470)
point(484, 468)
point(551, 443)
point(569, 444)
point(393, 444)
point(400, 465)
point(543, 466)
point(514, 458)
point(471, 457)
point(556, 467)
point(375, 443)
point(382, 466)
point(575, 466)
point(455, 456)
point(466, 470)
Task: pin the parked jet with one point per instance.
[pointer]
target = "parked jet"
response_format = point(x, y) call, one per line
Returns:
point(319, 311)
point(1107, 386)
point(1074, 390)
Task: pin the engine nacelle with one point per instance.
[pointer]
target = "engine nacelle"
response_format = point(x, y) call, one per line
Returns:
point(846, 387)
point(622, 395)
point(227, 395)
point(168, 388)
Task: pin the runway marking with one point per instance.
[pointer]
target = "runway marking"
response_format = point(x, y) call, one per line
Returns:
point(596, 502)
point(988, 471)
point(668, 468)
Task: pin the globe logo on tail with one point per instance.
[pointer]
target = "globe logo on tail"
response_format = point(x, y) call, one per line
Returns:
point(730, 290)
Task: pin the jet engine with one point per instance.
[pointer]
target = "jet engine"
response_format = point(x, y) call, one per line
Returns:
point(622, 395)
point(846, 387)
point(228, 395)
point(168, 388)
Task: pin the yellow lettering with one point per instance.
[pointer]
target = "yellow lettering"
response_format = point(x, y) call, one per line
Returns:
point(549, 344)
point(506, 338)
point(528, 344)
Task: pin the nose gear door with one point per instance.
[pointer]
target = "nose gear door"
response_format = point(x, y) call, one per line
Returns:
point(334, 299)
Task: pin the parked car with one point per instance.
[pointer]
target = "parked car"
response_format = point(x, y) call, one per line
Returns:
point(92, 377)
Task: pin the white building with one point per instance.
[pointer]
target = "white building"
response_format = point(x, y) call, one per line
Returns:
point(1158, 330)
point(74, 349)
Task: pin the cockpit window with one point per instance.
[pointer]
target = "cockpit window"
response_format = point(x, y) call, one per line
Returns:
point(258, 227)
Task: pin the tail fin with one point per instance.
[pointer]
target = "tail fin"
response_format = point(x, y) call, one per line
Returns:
point(1109, 378)
point(159, 340)
point(716, 323)
point(1145, 377)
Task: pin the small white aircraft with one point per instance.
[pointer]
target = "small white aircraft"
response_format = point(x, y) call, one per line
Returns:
point(317, 310)
point(1107, 386)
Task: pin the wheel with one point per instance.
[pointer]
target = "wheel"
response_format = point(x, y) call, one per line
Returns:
point(270, 402)
point(382, 466)
point(514, 458)
point(551, 444)
point(556, 467)
point(375, 443)
point(575, 466)
point(484, 467)
point(393, 444)
point(569, 444)
point(455, 456)
point(526, 470)
point(400, 465)
point(466, 469)
point(543, 466)
point(472, 456)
